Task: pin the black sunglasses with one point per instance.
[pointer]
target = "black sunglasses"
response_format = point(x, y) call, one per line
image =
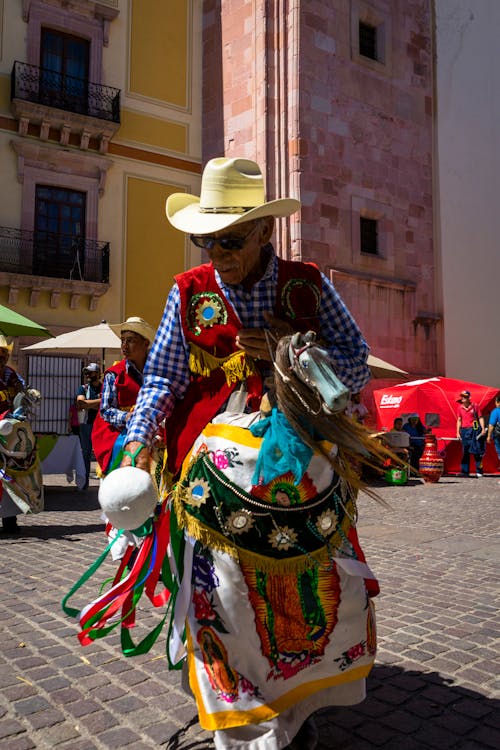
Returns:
point(226, 242)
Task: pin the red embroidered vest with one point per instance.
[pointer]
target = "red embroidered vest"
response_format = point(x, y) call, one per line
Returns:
point(104, 434)
point(210, 324)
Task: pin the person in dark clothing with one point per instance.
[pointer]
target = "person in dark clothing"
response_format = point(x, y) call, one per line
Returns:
point(88, 399)
point(416, 431)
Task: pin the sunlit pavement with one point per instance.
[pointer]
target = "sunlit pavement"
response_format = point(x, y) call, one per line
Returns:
point(436, 551)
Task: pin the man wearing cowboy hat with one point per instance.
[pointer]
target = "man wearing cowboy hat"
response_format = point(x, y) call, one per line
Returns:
point(213, 352)
point(121, 386)
point(122, 382)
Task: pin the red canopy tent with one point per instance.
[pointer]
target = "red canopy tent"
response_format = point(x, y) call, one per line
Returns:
point(435, 400)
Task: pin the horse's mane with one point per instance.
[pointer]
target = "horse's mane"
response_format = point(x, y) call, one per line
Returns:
point(302, 406)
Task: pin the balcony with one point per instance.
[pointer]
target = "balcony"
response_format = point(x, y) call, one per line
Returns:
point(57, 263)
point(69, 105)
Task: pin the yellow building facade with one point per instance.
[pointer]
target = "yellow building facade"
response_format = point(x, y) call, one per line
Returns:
point(100, 116)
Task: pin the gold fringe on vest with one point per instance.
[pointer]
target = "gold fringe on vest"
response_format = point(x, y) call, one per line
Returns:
point(236, 366)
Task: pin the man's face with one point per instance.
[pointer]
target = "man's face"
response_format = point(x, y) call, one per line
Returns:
point(4, 356)
point(236, 266)
point(134, 347)
point(92, 376)
point(398, 424)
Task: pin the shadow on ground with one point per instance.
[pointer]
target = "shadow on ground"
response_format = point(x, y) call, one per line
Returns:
point(412, 710)
point(68, 533)
point(60, 499)
point(404, 709)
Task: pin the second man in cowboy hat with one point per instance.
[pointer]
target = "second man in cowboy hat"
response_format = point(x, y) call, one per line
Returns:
point(122, 382)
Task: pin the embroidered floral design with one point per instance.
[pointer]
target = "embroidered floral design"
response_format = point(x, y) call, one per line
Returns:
point(283, 538)
point(204, 583)
point(203, 607)
point(226, 682)
point(204, 575)
point(225, 458)
point(205, 311)
point(248, 687)
point(351, 655)
point(198, 492)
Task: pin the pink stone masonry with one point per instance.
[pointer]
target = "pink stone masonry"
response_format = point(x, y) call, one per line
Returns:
point(351, 137)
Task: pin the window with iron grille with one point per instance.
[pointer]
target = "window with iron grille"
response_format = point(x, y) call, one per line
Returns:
point(59, 231)
point(57, 379)
point(368, 235)
point(64, 63)
point(368, 41)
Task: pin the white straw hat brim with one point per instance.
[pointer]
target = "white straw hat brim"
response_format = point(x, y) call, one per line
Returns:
point(183, 212)
point(138, 326)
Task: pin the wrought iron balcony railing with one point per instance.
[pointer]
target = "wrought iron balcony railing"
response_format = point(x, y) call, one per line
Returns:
point(53, 255)
point(52, 89)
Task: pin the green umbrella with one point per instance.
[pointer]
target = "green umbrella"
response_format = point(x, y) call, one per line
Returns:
point(13, 324)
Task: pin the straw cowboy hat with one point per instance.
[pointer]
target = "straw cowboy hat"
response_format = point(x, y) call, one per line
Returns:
point(232, 192)
point(4, 344)
point(136, 325)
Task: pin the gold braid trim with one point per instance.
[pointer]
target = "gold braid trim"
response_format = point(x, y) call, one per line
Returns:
point(211, 538)
point(236, 366)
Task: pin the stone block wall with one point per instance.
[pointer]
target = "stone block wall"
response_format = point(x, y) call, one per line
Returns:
point(350, 136)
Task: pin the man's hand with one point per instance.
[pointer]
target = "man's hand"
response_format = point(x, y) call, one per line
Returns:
point(254, 342)
point(142, 459)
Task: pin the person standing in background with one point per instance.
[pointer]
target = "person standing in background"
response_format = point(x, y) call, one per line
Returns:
point(122, 382)
point(73, 419)
point(355, 409)
point(121, 386)
point(468, 423)
point(416, 431)
point(494, 426)
point(88, 399)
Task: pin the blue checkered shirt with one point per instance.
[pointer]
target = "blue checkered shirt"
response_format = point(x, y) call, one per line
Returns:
point(166, 374)
point(109, 408)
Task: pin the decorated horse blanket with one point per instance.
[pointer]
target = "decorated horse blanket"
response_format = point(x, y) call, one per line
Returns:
point(276, 607)
point(21, 483)
point(269, 605)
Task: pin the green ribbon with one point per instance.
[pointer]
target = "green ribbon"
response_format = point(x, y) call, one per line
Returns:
point(85, 577)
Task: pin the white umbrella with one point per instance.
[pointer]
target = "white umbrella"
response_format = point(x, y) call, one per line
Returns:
point(85, 339)
point(381, 369)
point(102, 337)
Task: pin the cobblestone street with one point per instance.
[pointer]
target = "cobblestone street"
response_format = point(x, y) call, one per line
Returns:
point(436, 551)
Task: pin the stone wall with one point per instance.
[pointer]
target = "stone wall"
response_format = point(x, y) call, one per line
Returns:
point(351, 136)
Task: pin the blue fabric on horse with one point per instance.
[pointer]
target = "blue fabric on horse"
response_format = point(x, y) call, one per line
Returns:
point(281, 451)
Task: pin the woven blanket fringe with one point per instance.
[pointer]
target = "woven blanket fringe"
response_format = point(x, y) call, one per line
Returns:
point(211, 538)
point(236, 367)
